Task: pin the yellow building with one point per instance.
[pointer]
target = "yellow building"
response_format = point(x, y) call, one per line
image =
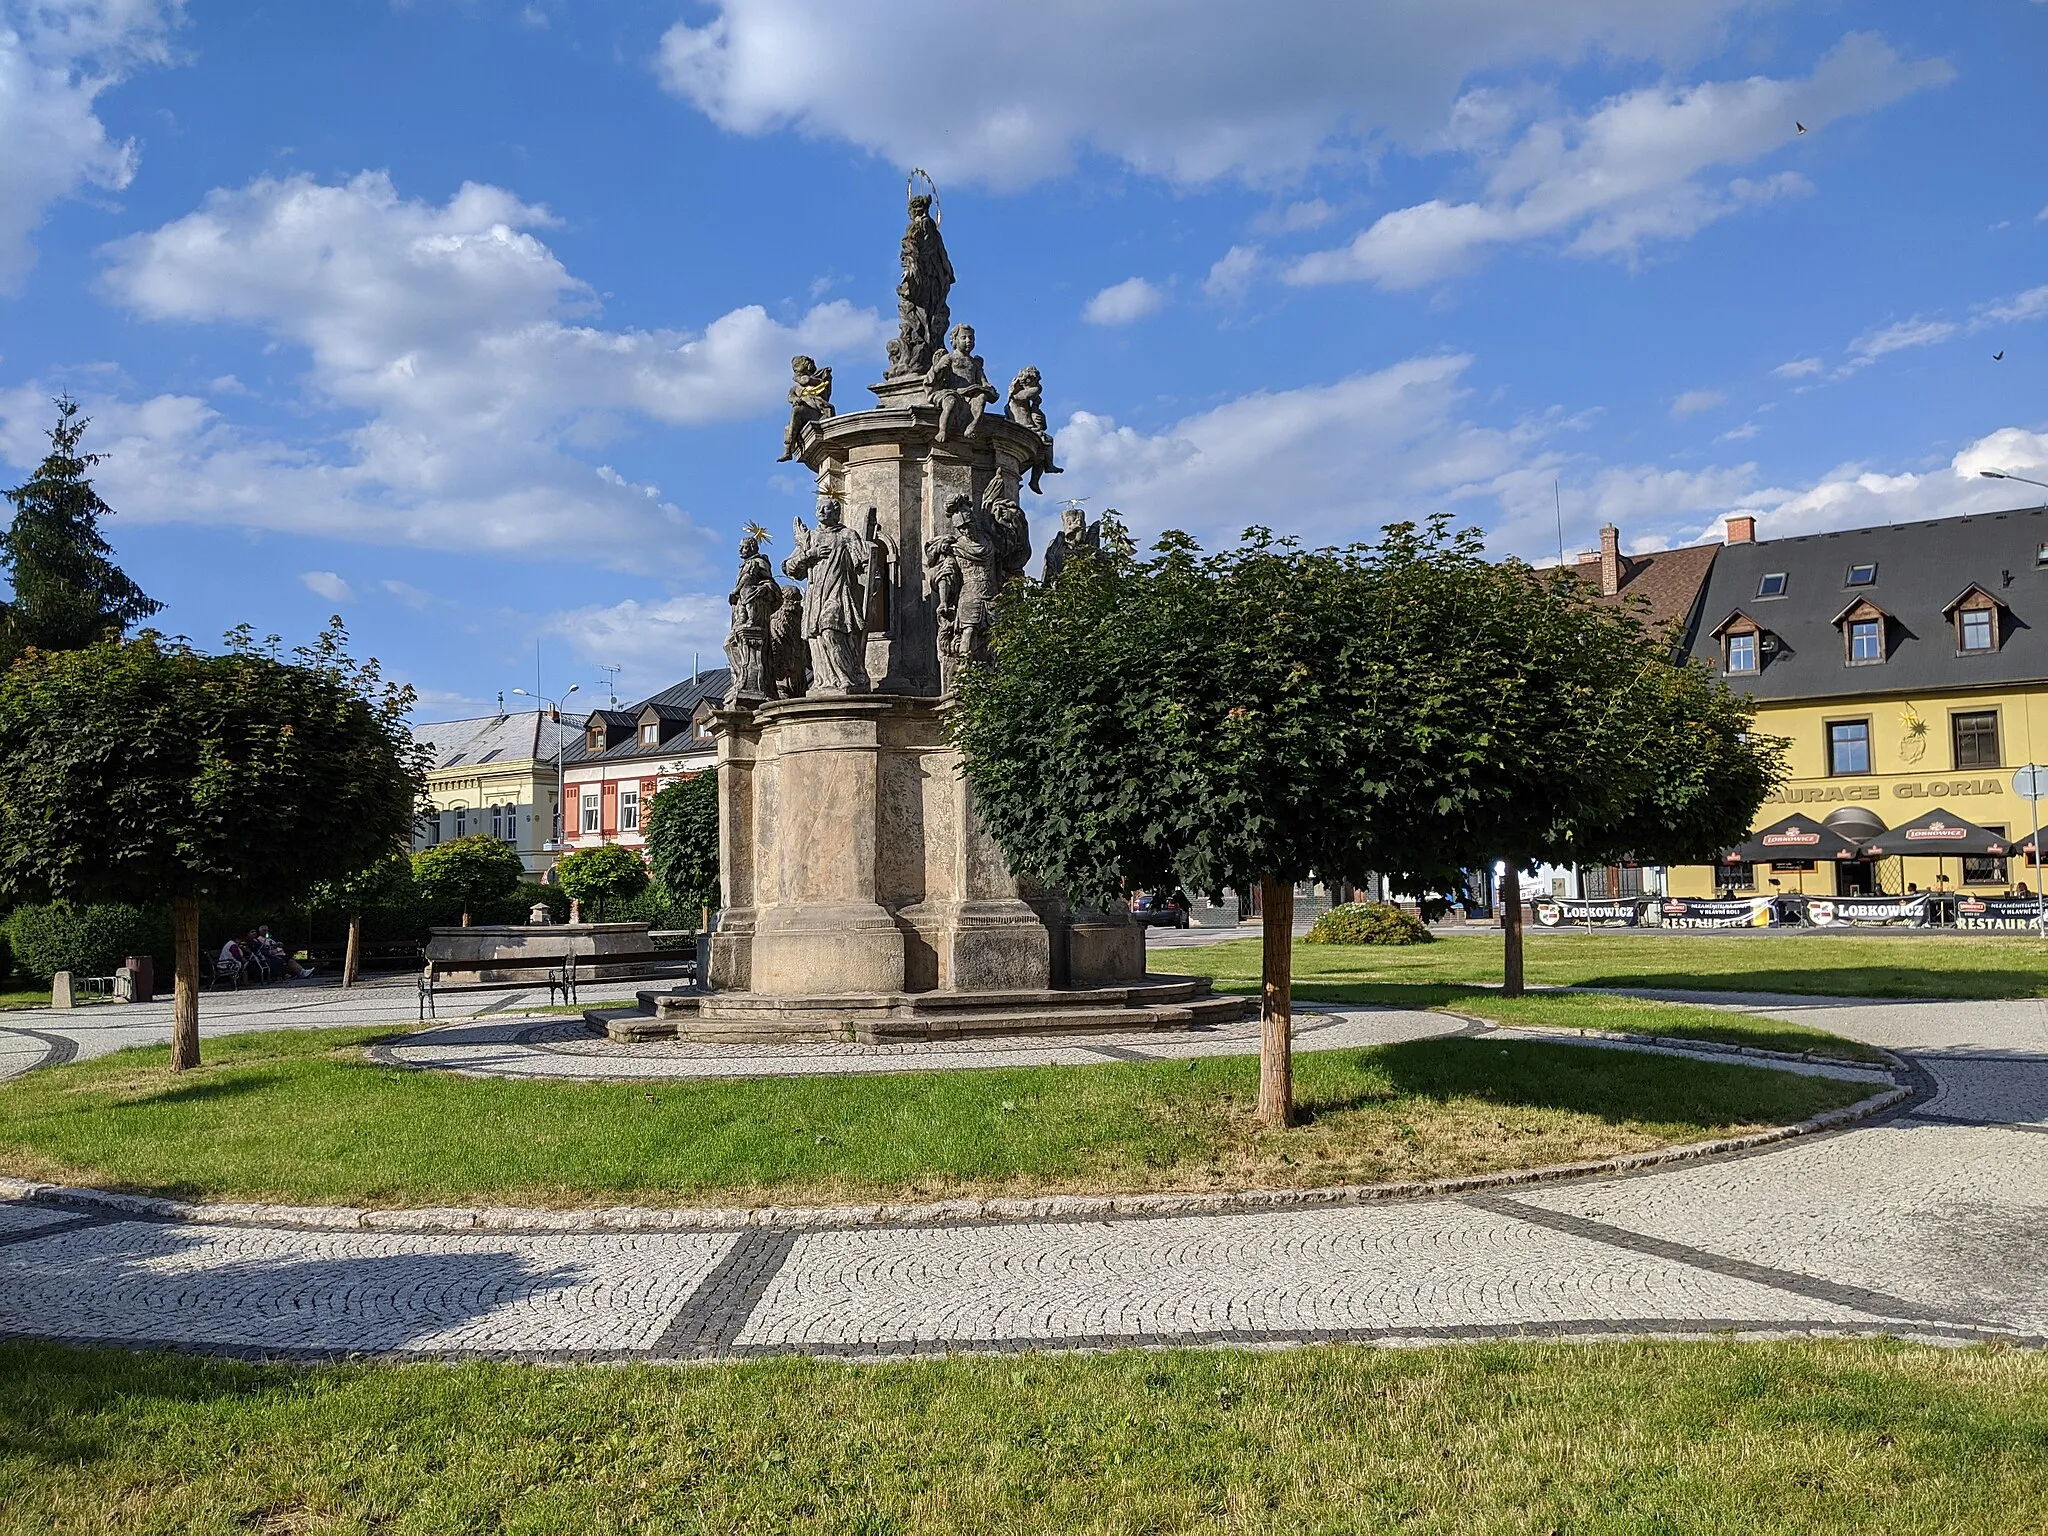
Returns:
point(1907, 666)
point(497, 775)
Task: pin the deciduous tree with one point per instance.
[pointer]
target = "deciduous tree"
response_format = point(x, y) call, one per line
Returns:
point(682, 840)
point(143, 770)
point(466, 875)
point(597, 876)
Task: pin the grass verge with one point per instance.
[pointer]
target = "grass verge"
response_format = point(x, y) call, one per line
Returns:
point(302, 1117)
point(1940, 965)
point(1709, 1438)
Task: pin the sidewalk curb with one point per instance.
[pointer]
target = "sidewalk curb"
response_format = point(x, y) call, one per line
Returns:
point(448, 1220)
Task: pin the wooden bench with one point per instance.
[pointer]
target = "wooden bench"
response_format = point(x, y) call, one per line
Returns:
point(562, 972)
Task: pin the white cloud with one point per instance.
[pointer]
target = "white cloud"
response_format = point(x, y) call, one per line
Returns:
point(56, 58)
point(2031, 305)
point(655, 643)
point(1799, 368)
point(1233, 272)
point(1693, 401)
point(1897, 337)
point(1123, 303)
point(464, 352)
point(410, 595)
point(1191, 90)
point(1637, 168)
point(328, 585)
point(1741, 434)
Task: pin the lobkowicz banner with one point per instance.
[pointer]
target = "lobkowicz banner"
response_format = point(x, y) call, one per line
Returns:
point(1729, 912)
point(1866, 909)
point(1552, 911)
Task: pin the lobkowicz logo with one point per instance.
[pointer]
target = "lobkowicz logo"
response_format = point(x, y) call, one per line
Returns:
point(1790, 839)
point(1936, 832)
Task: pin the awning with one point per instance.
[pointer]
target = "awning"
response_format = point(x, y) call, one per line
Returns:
point(1796, 837)
point(1940, 834)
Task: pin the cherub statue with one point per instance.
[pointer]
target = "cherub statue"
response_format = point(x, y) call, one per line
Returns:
point(1026, 407)
point(958, 383)
point(810, 402)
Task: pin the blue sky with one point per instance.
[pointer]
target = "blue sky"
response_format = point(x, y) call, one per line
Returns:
point(471, 321)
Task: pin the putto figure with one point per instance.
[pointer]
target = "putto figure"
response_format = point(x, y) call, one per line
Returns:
point(958, 383)
point(921, 312)
point(753, 599)
point(1077, 537)
point(1026, 407)
point(810, 402)
point(834, 560)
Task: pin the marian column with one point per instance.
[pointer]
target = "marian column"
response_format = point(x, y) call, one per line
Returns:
point(857, 873)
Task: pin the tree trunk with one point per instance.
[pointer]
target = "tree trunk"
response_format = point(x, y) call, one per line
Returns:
point(352, 957)
point(185, 991)
point(1511, 929)
point(1276, 1036)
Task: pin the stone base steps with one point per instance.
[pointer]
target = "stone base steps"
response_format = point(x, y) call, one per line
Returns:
point(1170, 1003)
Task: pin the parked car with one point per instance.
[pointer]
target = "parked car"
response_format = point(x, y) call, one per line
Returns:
point(1160, 909)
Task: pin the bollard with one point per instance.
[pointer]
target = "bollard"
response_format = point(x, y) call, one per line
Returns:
point(60, 990)
point(144, 978)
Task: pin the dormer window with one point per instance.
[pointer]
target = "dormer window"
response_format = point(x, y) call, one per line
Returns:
point(595, 741)
point(1864, 575)
point(1744, 645)
point(1866, 633)
point(1772, 585)
point(650, 734)
point(1979, 621)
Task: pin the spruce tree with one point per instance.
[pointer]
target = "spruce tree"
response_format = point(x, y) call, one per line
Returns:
point(68, 593)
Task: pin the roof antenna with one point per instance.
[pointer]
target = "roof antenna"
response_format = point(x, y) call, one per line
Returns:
point(612, 681)
point(1558, 497)
point(501, 703)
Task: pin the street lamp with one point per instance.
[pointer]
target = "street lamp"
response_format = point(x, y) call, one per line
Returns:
point(2000, 474)
point(559, 841)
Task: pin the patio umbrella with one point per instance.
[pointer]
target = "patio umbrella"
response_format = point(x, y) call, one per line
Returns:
point(1796, 837)
point(1937, 835)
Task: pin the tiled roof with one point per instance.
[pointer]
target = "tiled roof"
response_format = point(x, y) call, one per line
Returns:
point(1921, 567)
point(496, 739)
point(1665, 586)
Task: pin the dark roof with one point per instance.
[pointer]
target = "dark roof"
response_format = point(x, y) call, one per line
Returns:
point(1920, 569)
point(674, 705)
point(1664, 586)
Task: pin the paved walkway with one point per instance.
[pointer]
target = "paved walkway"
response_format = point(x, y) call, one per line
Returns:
point(1930, 1224)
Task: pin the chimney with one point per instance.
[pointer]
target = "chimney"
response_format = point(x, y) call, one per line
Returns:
point(1610, 560)
point(1741, 530)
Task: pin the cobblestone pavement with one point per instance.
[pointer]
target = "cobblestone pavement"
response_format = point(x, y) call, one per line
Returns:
point(1931, 1224)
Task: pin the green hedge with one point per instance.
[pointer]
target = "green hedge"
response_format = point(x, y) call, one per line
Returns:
point(1368, 922)
point(87, 941)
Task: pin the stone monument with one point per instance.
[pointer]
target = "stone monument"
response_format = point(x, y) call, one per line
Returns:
point(864, 898)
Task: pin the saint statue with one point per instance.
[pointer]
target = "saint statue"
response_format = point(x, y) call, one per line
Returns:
point(1077, 537)
point(921, 312)
point(960, 573)
point(1026, 407)
point(958, 383)
point(753, 599)
point(833, 559)
point(810, 402)
point(789, 654)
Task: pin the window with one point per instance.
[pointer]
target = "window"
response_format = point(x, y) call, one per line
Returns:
point(629, 808)
point(1742, 652)
point(458, 757)
point(489, 755)
point(1866, 641)
point(590, 810)
point(434, 830)
point(1982, 868)
point(1734, 877)
point(2041, 555)
point(650, 734)
point(1848, 746)
point(595, 742)
point(1864, 575)
point(461, 822)
point(1975, 630)
point(1976, 739)
point(1773, 585)
point(498, 822)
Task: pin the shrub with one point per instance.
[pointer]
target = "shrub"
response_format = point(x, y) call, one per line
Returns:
point(682, 841)
point(1368, 922)
point(655, 907)
point(87, 941)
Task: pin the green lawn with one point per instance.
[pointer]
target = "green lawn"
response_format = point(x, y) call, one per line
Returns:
point(1703, 1439)
point(302, 1117)
point(1863, 965)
